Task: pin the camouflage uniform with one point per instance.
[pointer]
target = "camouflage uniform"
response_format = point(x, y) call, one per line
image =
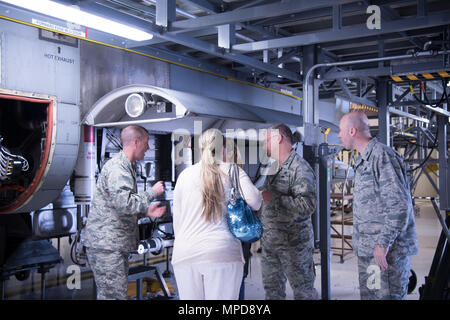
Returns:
point(391, 284)
point(110, 269)
point(383, 215)
point(111, 230)
point(288, 242)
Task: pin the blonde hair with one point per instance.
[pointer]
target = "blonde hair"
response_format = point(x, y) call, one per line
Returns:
point(211, 143)
point(210, 174)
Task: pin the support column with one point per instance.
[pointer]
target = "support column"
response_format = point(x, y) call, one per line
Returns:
point(383, 111)
point(266, 56)
point(165, 12)
point(226, 36)
point(337, 17)
point(324, 214)
point(444, 165)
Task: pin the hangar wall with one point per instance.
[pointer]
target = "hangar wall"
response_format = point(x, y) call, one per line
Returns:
point(105, 68)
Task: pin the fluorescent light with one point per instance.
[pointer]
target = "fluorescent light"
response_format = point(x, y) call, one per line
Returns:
point(71, 14)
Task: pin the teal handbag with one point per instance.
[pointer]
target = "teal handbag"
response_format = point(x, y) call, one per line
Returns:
point(242, 222)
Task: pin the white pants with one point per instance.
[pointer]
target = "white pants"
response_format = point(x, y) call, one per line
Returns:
point(209, 281)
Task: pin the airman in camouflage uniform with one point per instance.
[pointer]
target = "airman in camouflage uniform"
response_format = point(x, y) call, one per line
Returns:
point(288, 242)
point(384, 232)
point(111, 231)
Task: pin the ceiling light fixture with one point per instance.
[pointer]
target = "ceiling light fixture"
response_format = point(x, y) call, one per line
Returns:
point(74, 15)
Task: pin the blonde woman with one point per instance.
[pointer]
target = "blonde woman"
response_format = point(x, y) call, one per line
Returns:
point(207, 259)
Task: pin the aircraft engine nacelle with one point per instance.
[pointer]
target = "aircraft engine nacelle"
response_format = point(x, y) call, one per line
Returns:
point(39, 148)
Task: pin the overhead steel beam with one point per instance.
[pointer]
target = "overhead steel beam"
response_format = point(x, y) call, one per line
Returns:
point(103, 9)
point(203, 5)
point(212, 9)
point(254, 13)
point(285, 57)
point(373, 40)
point(192, 16)
point(389, 14)
point(269, 34)
point(346, 33)
point(395, 16)
point(324, 53)
point(266, 34)
point(422, 8)
point(322, 13)
point(372, 49)
point(129, 4)
point(385, 71)
point(192, 34)
point(220, 52)
point(209, 48)
point(240, 6)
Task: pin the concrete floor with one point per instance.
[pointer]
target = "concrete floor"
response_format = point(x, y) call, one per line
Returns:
point(344, 280)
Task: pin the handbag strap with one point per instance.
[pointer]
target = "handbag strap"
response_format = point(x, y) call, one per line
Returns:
point(236, 191)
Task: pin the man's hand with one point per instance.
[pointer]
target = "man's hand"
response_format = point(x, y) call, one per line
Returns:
point(379, 255)
point(154, 211)
point(158, 188)
point(267, 195)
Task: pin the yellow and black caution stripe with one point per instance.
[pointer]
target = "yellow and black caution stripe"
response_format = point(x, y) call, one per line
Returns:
point(362, 107)
point(421, 76)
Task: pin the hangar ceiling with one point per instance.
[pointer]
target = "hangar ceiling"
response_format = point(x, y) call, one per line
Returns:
point(274, 43)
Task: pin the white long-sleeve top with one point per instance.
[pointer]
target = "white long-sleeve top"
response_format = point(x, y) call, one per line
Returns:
point(200, 241)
